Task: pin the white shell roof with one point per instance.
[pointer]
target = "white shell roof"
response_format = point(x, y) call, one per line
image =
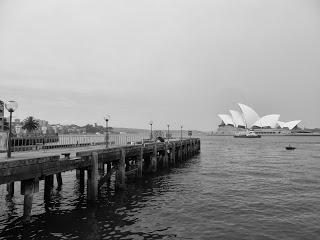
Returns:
point(227, 119)
point(237, 118)
point(268, 121)
point(250, 116)
point(281, 124)
point(291, 125)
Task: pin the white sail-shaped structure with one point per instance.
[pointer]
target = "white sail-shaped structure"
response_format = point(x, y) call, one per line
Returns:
point(280, 124)
point(250, 116)
point(237, 118)
point(226, 119)
point(270, 121)
point(292, 124)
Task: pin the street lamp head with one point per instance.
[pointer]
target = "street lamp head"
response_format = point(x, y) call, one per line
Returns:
point(11, 106)
point(151, 122)
point(107, 117)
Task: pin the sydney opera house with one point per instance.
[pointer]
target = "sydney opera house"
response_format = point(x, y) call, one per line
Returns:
point(247, 118)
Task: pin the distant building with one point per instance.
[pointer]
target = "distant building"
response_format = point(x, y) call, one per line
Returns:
point(44, 130)
point(18, 129)
point(247, 118)
point(43, 123)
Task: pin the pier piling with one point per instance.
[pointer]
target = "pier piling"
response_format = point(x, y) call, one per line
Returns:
point(48, 185)
point(109, 168)
point(173, 155)
point(165, 158)
point(59, 179)
point(10, 189)
point(140, 163)
point(120, 172)
point(93, 178)
point(154, 159)
point(28, 188)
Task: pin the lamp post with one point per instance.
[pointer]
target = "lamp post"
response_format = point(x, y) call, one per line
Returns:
point(151, 122)
point(107, 117)
point(181, 132)
point(168, 125)
point(11, 106)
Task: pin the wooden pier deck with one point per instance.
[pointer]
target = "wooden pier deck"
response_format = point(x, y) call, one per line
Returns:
point(126, 162)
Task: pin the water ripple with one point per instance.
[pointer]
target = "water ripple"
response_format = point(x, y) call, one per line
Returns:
point(234, 189)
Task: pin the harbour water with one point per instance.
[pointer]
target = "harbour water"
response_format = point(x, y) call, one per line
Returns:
point(235, 189)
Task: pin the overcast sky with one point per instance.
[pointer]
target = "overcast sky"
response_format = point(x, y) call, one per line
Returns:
point(178, 62)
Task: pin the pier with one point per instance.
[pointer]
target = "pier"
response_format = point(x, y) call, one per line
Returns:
point(124, 162)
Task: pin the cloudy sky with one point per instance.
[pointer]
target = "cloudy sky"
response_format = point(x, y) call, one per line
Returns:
point(172, 61)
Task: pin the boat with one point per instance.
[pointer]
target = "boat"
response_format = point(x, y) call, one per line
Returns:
point(290, 147)
point(247, 134)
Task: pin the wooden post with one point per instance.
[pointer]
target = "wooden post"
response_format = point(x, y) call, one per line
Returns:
point(109, 167)
point(187, 151)
point(48, 185)
point(140, 163)
point(10, 189)
point(173, 154)
point(59, 179)
point(154, 159)
point(121, 174)
point(28, 188)
point(78, 173)
point(81, 180)
point(165, 159)
point(192, 147)
point(101, 168)
point(93, 178)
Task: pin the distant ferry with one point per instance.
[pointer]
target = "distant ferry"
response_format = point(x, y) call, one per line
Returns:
point(247, 134)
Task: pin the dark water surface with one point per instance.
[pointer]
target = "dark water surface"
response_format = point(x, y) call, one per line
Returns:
point(235, 189)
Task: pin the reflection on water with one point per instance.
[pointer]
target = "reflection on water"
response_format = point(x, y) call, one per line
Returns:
point(235, 189)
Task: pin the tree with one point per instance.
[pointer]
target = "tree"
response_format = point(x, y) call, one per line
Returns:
point(30, 124)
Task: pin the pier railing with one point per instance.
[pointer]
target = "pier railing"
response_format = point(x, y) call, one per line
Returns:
point(74, 141)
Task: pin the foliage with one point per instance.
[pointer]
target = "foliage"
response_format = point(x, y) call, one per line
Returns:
point(30, 124)
point(96, 129)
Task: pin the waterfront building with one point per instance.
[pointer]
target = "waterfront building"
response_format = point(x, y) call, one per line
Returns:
point(248, 118)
